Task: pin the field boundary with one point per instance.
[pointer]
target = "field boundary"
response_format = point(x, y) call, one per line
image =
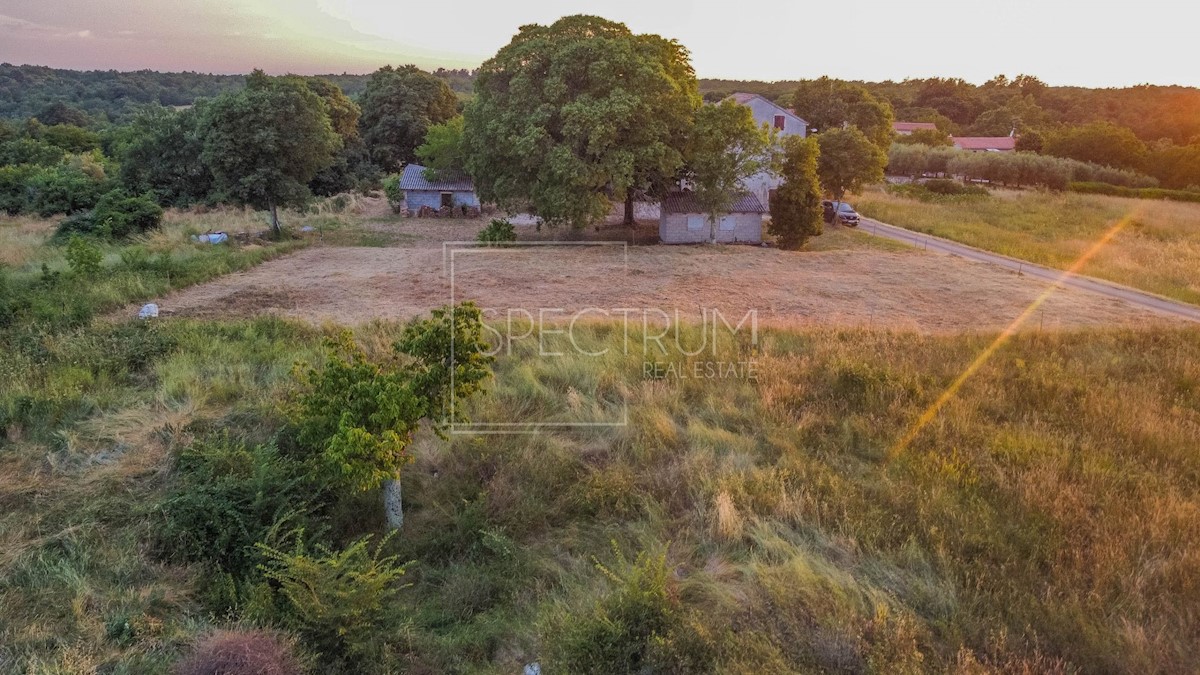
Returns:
point(1137, 297)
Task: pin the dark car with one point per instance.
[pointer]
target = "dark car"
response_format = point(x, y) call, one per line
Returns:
point(840, 211)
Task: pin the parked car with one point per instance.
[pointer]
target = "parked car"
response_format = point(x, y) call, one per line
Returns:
point(840, 211)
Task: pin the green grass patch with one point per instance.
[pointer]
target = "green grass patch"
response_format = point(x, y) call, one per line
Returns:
point(1156, 248)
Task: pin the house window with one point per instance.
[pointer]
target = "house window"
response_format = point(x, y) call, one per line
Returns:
point(695, 222)
point(780, 122)
point(447, 199)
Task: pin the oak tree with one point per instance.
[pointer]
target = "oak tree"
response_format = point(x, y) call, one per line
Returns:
point(398, 107)
point(848, 161)
point(570, 116)
point(267, 141)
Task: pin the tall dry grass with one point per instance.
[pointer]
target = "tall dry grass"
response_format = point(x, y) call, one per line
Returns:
point(1157, 250)
point(1044, 521)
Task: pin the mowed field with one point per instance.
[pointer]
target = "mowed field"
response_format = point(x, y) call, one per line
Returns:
point(844, 279)
point(1156, 248)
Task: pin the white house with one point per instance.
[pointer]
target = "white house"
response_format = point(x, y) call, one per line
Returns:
point(683, 221)
point(785, 123)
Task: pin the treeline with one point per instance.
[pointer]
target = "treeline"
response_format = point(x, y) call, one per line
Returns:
point(104, 96)
point(273, 142)
point(1149, 129)
point(961, 108)
point(1017, 169)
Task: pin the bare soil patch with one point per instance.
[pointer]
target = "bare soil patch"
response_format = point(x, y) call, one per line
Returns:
point(857, 287)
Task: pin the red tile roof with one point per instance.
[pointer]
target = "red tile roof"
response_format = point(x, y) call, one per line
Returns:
point(986, 142)
point(913, 126)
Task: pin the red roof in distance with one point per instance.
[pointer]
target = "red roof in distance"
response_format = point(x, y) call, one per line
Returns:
point(986, 142)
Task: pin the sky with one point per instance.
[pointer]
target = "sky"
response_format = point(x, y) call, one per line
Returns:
point(1095, 44)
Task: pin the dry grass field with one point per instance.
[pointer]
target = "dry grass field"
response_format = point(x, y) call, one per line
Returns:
point(834, 512)
point(845, 278)
point(1157, 249)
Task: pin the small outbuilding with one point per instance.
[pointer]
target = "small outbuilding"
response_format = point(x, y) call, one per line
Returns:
point(419, 191)
point(683, 221)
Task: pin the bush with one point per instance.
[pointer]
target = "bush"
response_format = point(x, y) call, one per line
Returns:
point(225, 497)
point(498, 231)
point(83, 257)
point(62, 189)
point(395, 196)
point(242, 652)
point(14, 191)
point(339, 600)
point(638, 627)
point(938, 189)
point(80, 224)
point(119, 215)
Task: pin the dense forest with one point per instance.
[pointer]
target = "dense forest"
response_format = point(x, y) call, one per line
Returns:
point(108, 95)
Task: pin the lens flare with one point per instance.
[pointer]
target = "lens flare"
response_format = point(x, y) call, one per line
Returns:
point(951, 391)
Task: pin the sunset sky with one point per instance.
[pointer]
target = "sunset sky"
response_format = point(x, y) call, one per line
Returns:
point(1102, 43)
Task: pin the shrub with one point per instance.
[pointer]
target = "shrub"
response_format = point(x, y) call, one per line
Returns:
point(241, 652)
point(395, 196)
point(938, 189)
point(83, 257)
point(14, 192)
point(357, 415)
point(339, 600)
point(119, 215)
point(78, 224)
point(225, 497)
point(638, 627)
point(498, 231)
point(796, 205)
point(62, 189)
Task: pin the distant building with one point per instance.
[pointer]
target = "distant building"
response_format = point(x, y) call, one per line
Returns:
point(986, 143)
point(420, 191)
point(785, 122)
point(684, 222)
point(906, 128)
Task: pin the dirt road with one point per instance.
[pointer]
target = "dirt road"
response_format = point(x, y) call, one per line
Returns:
point(1132, 296)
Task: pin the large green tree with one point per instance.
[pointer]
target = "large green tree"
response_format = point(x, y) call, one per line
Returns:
point(351, 166)
point(829, 104)
point(569, 116)
point(398, 107)
point(267, 141)
point(796, 204)
point(726, 148)
point(444, 153)
point(849, 160)
point(162, 153)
